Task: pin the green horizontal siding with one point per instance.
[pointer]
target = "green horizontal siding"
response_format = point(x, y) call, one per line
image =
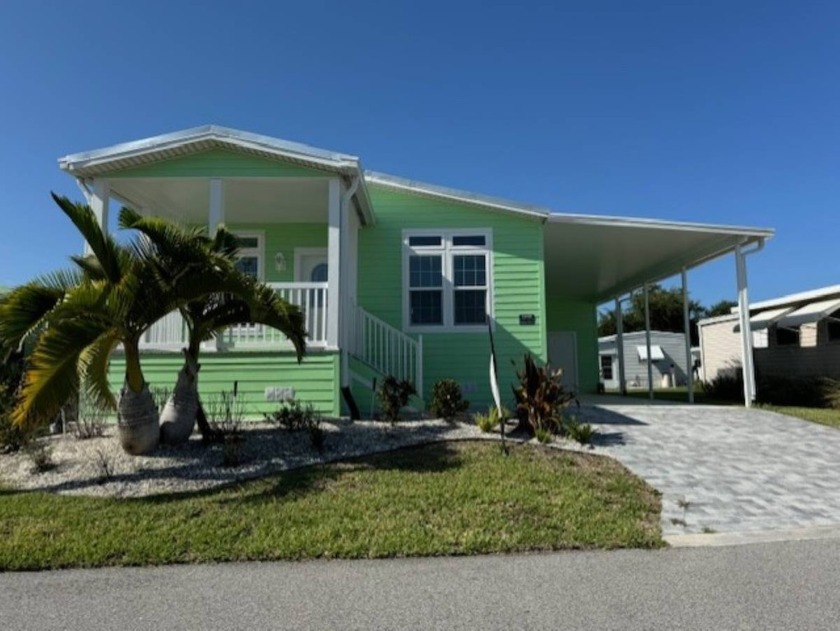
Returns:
point(315, 380)
point(518, 287)
point(578, 316)
point(219, 163)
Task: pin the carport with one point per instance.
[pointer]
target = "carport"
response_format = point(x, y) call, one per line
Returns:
point(601, 259)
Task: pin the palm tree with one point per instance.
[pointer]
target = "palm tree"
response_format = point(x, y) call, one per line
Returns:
point(76, 319)
point(247, 301)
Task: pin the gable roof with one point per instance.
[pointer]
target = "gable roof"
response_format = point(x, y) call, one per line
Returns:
point(138, 153)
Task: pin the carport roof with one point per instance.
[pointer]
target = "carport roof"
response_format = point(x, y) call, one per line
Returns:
point(596, 258)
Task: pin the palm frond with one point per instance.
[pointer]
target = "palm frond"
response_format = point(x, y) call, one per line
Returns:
point(52, 376)
point(103, 245)
point(94, 362)
point(23, 312)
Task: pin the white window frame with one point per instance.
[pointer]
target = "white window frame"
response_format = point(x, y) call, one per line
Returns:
point(448, 251)
point(257, 252)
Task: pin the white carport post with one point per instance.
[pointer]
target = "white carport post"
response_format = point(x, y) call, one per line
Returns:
point(747, 366)
point(687, 331)
point(99, 199)
point(647, 342)
point(619, 346)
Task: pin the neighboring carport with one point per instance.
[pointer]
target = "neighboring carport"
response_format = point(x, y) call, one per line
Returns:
point(592, 259)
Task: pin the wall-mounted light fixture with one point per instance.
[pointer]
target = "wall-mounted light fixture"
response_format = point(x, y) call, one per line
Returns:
point(280, 262)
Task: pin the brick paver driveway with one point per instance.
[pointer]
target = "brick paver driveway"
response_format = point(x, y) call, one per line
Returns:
point(725, 469)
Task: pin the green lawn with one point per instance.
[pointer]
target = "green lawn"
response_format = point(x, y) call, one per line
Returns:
point(449, 498)
point(823, 416)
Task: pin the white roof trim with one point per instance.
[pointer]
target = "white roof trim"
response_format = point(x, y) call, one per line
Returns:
point(656, 353)
point(659, 224)
point(810, 313)
point(89, 160)
point(728, 317)
point(802, 296)
point(456, 195)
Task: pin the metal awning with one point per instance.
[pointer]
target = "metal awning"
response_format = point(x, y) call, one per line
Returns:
point(764, 319)
point(656, 353)
point(809, 314)
point(593, 259)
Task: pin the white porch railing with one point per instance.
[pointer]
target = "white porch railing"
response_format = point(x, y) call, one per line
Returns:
point(310, 297)
point(171, 332)
point(386, 349)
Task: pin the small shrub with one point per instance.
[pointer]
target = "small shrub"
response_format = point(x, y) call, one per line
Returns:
point(225, 414)
point(540, 397)
point(393, 396)
point(447, 401)
point(486, 422)
point(580, 432)
point(12, 437)
point(543, 434)
point(105, 466)
point(809, 392)
point(40, 454)
point(725, 387)
point(293, 415)
point(90, 418)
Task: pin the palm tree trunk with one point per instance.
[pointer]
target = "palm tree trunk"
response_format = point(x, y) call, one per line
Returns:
point(179, 415)
point(137, 425)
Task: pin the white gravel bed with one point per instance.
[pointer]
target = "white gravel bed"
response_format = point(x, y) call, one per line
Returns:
point(194, 467)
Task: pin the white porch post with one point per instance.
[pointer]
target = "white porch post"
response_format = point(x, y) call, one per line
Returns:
point(687, 331)
point(334, 261)
point(747, 366)
point(99, 200)
point(647, 342)
point(216, 210)
point(216, 217)
point(619, 346)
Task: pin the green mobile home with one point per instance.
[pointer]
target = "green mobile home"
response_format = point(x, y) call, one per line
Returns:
point(395, 277)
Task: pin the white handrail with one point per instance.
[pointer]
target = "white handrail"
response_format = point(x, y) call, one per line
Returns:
point(387, 349)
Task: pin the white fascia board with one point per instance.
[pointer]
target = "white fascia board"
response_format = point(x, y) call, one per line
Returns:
point(222, 135)
point(456, 195)
point(803, 296)
point(729, 317)
point(751, 233)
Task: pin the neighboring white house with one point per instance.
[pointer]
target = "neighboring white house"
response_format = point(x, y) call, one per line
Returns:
point(795, 335)
point(667, 350)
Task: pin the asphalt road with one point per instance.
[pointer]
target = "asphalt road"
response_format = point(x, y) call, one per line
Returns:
point(793, 585)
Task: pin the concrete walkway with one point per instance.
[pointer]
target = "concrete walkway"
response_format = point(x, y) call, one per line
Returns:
point(725, 469)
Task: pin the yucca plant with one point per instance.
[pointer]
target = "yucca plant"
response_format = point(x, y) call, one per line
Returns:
point(540, 396)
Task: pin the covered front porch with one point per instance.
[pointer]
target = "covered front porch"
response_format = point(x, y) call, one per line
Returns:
point(296, 210)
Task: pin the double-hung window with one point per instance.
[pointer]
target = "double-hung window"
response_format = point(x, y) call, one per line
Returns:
point(250, 257)
point(448, 278)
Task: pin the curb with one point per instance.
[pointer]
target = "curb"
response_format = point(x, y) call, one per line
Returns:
point(749, 537)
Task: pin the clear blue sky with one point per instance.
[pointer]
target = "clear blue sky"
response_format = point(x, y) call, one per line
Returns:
point(724, 112)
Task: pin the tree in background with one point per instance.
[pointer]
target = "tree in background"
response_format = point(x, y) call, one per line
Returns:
point(666, 313)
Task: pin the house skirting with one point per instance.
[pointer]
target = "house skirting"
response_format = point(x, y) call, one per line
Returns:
point(257, 376)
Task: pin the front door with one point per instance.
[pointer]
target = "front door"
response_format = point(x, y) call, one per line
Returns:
point(311, 265)
point(562, 353)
